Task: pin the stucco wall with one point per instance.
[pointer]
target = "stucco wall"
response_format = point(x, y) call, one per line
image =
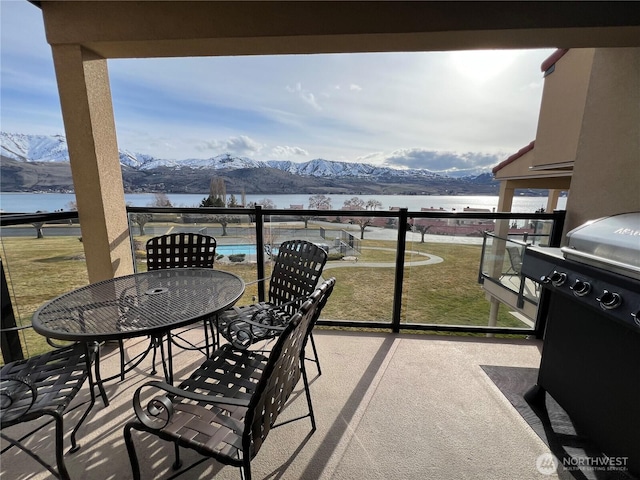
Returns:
point(606, 174)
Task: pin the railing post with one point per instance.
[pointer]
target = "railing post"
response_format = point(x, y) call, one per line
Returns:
point(10, 340)
point(485, 234)
point(397, 289)
point(555, 237)
point(260, 251)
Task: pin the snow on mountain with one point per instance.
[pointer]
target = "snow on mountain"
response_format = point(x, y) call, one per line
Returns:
point(225, 161)
point(41, 148)
point(327, 168)
point(34, 148)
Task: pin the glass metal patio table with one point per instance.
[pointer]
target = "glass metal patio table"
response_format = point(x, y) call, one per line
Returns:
point(149, 303)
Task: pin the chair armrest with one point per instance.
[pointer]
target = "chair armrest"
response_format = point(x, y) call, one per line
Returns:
point(13, 402)
point(161, 405)
point(244, 332)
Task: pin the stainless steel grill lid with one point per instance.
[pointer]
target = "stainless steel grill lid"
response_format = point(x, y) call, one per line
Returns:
point(610, 242)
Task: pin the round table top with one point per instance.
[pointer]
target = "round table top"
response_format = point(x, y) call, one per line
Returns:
point(138, 304)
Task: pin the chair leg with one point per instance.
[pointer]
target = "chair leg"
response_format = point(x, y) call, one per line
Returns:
point(308, 395)
point(121, 346)
point(74, 445)
point(131, 450)
point(154, 345)
point(245, 470)
point(315, 353)
point(62, 468)
point(178, 462)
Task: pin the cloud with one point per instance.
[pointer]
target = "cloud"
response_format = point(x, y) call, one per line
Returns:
point(284, 151)
point(340, 106)
point(305, 95)
point(374, 157)
point(442, 161)
point(241, 145)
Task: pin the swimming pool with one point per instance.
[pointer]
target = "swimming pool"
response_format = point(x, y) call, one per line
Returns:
point(247, 249)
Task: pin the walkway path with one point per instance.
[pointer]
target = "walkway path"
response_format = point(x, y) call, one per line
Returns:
point(430, 260)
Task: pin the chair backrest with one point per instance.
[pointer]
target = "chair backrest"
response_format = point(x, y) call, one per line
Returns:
point(515, 258)
point(181, 250)
point(283, 370)
point(296, 272)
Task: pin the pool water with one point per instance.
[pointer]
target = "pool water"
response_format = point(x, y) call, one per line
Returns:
point(236, 249)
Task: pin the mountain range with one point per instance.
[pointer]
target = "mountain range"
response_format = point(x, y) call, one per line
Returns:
point(41, 163)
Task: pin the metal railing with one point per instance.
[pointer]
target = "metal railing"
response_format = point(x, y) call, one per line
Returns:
point(447, 232)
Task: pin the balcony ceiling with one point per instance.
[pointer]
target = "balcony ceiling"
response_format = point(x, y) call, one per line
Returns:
point(187, 28)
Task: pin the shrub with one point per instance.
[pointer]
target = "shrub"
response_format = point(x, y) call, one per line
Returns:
point(239, 257)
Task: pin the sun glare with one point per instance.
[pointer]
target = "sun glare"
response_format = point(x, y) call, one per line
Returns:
point(482, 65)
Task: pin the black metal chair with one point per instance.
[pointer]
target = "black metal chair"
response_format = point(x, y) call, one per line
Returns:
point(515, 260)
point(296, 273)
point(227, 407)
point(42, 384)
point(45, 385)
point(181, 250)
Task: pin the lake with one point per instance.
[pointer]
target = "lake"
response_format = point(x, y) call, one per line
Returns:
point(32, 202)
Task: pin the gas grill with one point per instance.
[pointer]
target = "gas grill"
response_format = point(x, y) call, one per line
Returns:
point(590, 307)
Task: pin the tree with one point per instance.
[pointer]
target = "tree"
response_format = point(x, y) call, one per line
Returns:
point(264, 203)
point(217, 194)
point(422, 228)
point(232, 201)
point(141, 219)
point(160, 199)
point(305, 219)
point(319, 202)
point(224, 220)
point(210, 202)
point(38, 226)
point(363, 223)
point(267, 203)
point(316, 202)
point(354, 203)
point(373, 204)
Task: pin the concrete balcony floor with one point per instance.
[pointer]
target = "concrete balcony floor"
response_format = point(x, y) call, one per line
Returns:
point(387, 407)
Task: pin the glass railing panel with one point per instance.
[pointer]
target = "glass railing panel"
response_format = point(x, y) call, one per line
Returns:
point(362, 253)
point(441, 275)
point(502, 263)
point(41, 260)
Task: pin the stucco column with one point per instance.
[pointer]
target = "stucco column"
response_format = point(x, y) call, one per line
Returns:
point(87, 111)
point(505, 201)
point(552, 201)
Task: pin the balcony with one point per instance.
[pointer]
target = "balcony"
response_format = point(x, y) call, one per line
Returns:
point(387, 406)
point(450, 417)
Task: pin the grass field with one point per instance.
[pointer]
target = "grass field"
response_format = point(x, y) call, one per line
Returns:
point(445, 293)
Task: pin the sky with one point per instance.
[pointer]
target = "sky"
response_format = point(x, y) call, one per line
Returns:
point(434, 110)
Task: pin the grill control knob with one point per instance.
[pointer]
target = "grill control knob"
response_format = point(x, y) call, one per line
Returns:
point(558, 278)
point(609, 300)
point(580, 288)
point(636, 317)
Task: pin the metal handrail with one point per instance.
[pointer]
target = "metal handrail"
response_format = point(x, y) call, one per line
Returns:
point(402, 215)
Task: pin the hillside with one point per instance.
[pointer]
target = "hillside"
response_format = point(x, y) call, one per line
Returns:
point(33, 163)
